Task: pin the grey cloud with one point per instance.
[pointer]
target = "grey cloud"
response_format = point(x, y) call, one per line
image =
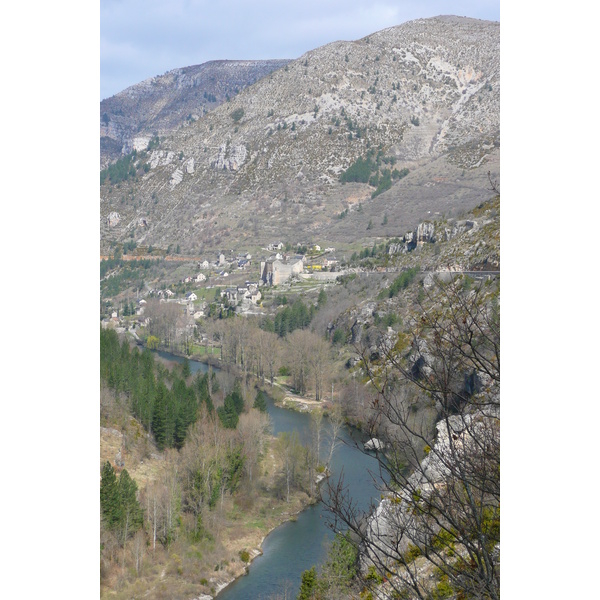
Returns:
point(144, 38)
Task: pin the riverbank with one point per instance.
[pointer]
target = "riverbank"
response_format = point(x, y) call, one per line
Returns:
point(199, 559)
point(189, 570)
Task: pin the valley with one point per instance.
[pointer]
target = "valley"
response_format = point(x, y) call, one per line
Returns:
point(324, 241)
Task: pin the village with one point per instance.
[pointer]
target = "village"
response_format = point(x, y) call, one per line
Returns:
point(237, 284)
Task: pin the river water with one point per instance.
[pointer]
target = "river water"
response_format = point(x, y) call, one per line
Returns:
point(296, 546)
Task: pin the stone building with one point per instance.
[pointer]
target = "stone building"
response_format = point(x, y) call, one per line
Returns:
point(275, 271)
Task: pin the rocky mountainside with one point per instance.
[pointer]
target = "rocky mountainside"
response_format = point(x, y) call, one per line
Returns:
point(159, 105)
point(417, 103)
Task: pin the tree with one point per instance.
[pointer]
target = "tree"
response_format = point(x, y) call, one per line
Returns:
point(132, 517)
point(252, 430)
point(443, 513)
point(322, 299)
point(335, 423)
point(320, 362)
point(260, 401)
point(110, 505)
point(290, 450)
point(185, 368)
point(119, 506)
point(308, 584)
point(237, 114)
point(160, 416)
point(228, 414)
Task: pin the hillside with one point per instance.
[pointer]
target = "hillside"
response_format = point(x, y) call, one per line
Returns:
point(422, 96)
point(159, 105)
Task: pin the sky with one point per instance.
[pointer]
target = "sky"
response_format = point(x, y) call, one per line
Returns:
point(144, 38)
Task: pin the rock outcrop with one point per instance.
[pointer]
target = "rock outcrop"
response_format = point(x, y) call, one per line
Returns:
point(160, 105)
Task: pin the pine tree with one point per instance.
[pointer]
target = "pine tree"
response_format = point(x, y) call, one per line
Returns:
point(159, 417)
point(322, 300)
point(227, 413)
point(260, 402)
point(237, 398)
point(308, 585)
point(185, 369)
point(132, 517)
point(110, 505)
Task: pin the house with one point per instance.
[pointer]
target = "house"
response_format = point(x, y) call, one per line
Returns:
point(200, 277)
point(191, 296)
point(275, 271)
point(275, 246)
point(204, 265)
point(254, 296)
point(231, 294)
point(169, 293)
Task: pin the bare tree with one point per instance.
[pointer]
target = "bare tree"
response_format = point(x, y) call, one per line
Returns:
point(437, 529)
point(290, 450)
point(271, 349)
point(139, 550)
point(309, 358)
point(252, 429)
point(164, 320)
point(335, 422)
point(298, 355)
point(320, 362)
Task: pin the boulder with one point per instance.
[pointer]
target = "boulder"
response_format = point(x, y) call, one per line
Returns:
point(374, 444)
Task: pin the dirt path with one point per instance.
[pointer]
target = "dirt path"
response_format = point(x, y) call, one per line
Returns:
point(298, 402)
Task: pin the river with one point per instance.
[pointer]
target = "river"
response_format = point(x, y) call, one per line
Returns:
point(296, 546)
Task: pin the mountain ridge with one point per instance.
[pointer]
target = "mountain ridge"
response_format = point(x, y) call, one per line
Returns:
point(160, 104)
point(423, 95)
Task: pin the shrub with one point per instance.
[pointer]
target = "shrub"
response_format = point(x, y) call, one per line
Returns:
point(374, 576)
point(338, 336)
point(237, 114)
point(244, 556)
point(412, 553)
point(443, 590)
point(359, 171)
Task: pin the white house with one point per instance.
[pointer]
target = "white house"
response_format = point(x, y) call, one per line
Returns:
point(190, 297)
point(200, 277)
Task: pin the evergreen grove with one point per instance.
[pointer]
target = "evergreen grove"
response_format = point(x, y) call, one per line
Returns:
point(164, 404)
point(119, 506)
